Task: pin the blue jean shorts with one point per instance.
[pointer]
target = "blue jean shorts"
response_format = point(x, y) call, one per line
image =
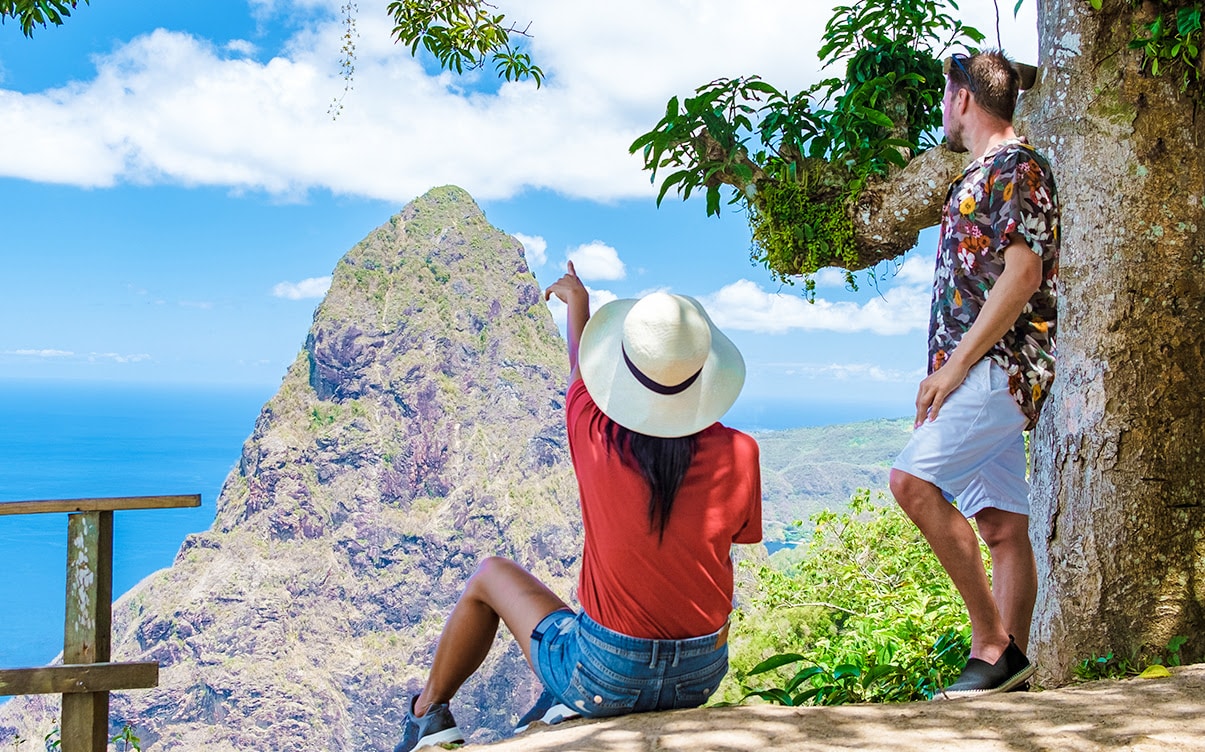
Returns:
point(599, 672)
point(974, 451)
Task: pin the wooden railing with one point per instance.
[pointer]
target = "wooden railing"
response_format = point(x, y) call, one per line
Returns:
point(86, 676)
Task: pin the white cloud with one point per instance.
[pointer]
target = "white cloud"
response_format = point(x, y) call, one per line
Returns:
point(597, 260)
point(167, 107)
point(91, 357)
point(534, 247)
point(917, 270)
point(847, 372)
point(830, 277)
point(598, 299)
point(41, 353)
point(118, 357)
point(314, 287)
point(744, 305)
point(241, 47)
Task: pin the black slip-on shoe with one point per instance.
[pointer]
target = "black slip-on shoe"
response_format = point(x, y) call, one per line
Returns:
point(980, 678)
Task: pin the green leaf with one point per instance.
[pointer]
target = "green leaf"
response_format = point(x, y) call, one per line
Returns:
point(803, 676)
point(673, 180)
point(772, 695)
point(642, 141)
point(875, 117)
point(774, 662)
point(763, 87)
point(894, 157)
point(1188, 20)
point(881, 670)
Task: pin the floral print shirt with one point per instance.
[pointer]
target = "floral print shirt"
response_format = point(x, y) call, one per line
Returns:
point(1010, 190)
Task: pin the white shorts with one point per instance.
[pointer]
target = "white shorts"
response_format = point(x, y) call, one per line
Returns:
point(974, 451)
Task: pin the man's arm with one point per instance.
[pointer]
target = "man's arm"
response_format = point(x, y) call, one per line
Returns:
point(570, 290)
point(1021, 278)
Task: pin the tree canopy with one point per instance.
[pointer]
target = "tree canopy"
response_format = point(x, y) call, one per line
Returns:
point(462, 35)
point(31, 13)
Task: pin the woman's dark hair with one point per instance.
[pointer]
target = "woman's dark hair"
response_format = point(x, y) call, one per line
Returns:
point(663, 463)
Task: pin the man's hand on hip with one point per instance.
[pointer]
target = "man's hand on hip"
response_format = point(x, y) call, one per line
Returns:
point(935, 388)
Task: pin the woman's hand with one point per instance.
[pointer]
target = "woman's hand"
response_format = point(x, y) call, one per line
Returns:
point(570, 290)
point(567, 288)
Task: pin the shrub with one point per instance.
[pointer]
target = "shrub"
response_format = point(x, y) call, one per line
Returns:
point(880, 620)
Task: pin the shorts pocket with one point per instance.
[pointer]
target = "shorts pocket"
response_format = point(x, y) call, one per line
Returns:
point(595, 695)
point(692, 690)
point(979, 378)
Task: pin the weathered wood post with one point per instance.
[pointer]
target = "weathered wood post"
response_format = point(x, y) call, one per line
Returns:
point(86, 676)
point(89, 622)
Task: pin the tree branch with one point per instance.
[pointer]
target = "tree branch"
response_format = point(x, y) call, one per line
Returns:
point(889, 213)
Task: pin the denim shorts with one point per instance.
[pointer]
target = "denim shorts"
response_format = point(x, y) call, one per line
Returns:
point(599, 672)
point(974, 451)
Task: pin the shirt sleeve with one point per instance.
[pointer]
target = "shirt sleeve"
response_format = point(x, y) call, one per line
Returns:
point(751, 531)
point(1024, 191)
point(577, 401)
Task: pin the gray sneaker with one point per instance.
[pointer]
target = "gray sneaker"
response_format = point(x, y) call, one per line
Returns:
point(547, 710)
point(436, 727)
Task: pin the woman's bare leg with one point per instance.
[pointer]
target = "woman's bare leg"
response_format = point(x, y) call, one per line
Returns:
point(499, 588)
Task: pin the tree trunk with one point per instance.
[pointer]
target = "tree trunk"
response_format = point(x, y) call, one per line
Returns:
point(1118, 466)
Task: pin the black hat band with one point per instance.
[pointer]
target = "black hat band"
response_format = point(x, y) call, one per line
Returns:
point(654, 386)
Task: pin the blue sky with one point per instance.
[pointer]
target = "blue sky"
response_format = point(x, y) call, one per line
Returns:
point(174, 194)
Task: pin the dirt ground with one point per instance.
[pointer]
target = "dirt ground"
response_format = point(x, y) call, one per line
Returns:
point(1136, 714)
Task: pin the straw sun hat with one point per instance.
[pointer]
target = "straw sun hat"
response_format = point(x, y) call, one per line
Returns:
point(658, 366)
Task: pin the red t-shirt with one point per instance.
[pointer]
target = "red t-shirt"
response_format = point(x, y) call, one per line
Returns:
point(682, 586)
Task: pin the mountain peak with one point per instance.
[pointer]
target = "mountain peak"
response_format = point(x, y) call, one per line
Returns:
point(419, 430)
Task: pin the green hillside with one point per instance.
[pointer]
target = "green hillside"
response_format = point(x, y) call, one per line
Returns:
point(805, 470)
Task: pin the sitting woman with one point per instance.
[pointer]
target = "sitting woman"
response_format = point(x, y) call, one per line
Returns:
point(665, 492)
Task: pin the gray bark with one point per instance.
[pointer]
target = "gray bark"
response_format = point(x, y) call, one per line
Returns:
point(1118, 466)
point(889, 215)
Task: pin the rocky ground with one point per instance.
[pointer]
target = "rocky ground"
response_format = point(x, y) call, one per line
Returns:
point(1137, 714)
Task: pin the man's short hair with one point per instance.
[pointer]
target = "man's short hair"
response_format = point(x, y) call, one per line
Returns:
point(991, 78)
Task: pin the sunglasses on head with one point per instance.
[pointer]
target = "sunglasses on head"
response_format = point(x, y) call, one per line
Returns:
point(958, 59)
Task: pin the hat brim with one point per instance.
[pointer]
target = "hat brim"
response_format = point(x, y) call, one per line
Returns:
point(626, 401)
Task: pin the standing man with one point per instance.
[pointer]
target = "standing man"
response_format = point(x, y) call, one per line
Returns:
point(991, 362)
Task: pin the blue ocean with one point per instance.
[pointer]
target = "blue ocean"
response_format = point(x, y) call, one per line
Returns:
point(67, 440)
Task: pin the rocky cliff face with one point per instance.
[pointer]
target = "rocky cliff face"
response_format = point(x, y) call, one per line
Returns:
point(419, 430)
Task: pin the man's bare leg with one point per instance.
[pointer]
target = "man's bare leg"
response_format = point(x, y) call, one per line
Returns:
point(954, 542)
point(1014, 571)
